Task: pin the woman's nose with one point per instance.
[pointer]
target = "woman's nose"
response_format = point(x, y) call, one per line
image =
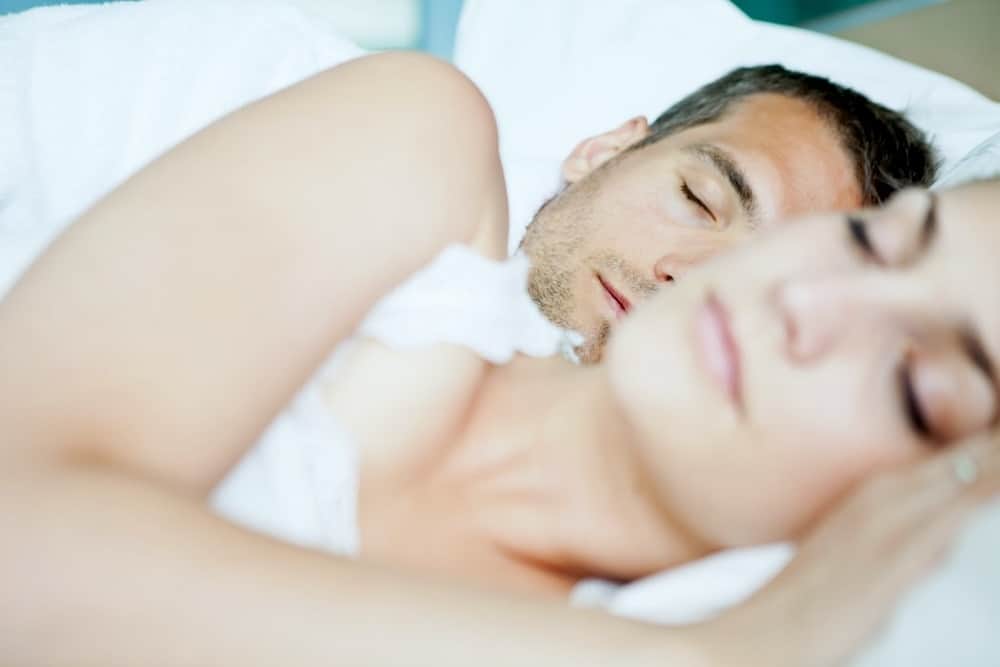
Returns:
point(817, 312)
point(813, 313)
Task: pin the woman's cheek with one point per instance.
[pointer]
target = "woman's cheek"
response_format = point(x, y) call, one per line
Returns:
point(837, 450)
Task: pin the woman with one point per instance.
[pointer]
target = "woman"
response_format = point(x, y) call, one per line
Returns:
point(201, 295)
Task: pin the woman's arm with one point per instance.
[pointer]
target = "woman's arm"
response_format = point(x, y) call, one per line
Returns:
point(101, 569)
point(171, 323)
point(157, 337)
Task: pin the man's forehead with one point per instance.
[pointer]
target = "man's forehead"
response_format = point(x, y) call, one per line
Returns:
point(769, 123)
point(772, 111)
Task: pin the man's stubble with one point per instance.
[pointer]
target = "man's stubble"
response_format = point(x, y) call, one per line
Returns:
point(555, 241)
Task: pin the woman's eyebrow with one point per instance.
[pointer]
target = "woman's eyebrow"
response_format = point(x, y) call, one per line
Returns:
point(930, 224)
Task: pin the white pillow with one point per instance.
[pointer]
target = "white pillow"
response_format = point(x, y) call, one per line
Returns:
point(561, 70)
point(948, 619)
point(951, 618)
point(983, 161)
point(374, 24)
point(89, 94)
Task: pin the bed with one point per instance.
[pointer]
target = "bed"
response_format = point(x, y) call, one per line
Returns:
point(554, 72)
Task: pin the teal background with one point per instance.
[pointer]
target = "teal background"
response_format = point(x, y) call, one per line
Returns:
point(7, 6)
point(793, 12)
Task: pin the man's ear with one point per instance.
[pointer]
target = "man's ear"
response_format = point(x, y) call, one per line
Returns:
point(591, 153)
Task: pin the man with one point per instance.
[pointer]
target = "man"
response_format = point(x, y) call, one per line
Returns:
point(644, 203)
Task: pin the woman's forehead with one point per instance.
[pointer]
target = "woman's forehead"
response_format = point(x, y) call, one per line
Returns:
point(970, 225)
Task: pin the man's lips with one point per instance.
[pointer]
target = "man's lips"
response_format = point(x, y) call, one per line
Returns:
point(719, 351)
point(615, 299)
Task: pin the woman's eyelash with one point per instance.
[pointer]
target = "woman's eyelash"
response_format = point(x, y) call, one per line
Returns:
point(859, 234)
point(911, 404)
point(692, 197)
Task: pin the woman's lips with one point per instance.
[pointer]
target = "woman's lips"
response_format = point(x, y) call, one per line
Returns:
point(619, 304)
point(719, 350)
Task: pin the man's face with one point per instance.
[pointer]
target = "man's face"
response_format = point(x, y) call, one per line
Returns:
point(630, 221)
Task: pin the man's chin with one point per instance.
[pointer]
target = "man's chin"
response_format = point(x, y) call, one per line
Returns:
point(591, 351)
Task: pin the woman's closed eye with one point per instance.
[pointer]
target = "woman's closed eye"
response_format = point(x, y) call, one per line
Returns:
point(946, 394)
point(912, 408)
point(899, 235)
point(858, 230)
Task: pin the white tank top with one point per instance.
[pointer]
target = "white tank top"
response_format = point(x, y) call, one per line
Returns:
point(299, 482)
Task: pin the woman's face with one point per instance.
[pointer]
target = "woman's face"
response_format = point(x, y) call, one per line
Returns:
point(767, 381)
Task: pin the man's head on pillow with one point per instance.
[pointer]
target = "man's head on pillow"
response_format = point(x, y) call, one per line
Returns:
point(643, 203)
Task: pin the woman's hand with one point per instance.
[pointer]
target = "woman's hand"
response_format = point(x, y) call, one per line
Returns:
point(852, 568)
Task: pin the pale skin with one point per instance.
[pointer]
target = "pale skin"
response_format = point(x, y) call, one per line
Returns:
point(180, 355)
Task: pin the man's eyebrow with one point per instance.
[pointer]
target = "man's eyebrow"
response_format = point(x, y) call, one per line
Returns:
point(726, 165)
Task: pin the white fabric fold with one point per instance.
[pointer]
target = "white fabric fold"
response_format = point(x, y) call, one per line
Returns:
point(468, 300)
point(300, 480)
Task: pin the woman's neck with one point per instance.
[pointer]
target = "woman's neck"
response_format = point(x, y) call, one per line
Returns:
point(545, 474)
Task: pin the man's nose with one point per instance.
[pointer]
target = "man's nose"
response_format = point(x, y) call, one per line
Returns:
point(674, 265)
point(664, 271)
